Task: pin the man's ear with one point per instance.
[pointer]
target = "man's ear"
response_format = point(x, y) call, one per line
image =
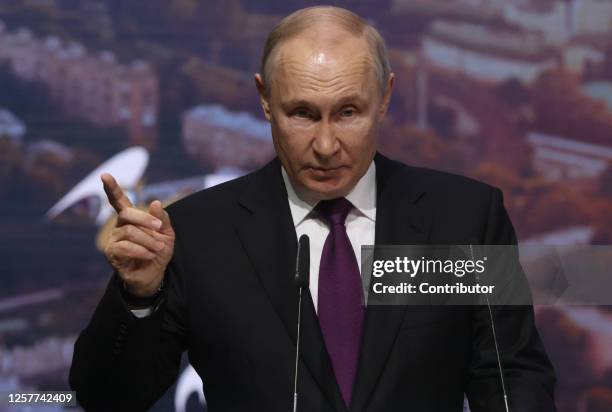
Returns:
point(263, 99)
point(387, 96)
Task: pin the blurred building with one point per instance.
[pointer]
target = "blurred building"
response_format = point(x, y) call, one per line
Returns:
point(582, 54)
point(48, 149)
point(561, 158)
point(11, 126)
point(559, 20)
point(575, 235)
point(221, 138)
point(97, 15)
point(95, 88)
point(20, 51)
point(600, 90)
point(487, 53)
point(468, 10)
point(552, 18)
point(51, 354)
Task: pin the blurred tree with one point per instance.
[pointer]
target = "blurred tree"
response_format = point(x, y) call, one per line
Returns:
point(231, 88)
point(512, 92)
point(602, 221)
point(185, 10)
point(606, 66)
point(562, 109)
point(605, 182)
point(569, 347)
point(10, 161)
point(499, 176)
point(32, 103)
point(598, 399)
point(419, 147)
point(554, 207)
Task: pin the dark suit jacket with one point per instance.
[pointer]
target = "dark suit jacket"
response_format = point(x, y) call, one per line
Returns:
point(231, 302)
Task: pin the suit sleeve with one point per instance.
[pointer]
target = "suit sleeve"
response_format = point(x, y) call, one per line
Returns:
point(529, 375)
point(125, 363)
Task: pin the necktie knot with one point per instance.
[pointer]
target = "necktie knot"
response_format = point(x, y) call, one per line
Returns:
point(334, 211)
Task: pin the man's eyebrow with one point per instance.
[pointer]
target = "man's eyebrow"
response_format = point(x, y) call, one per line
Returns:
point(353, 97)
point(296, 103)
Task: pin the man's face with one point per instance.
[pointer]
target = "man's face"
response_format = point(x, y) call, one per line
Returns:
point(325, 108)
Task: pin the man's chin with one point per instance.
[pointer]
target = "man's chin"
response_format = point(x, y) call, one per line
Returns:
point(324, 190)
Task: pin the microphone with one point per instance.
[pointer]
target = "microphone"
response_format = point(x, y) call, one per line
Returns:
point(497, 353)
point(302, 263)
point(302, 280)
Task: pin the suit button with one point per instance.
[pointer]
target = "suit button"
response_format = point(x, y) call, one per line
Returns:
point(117, 348)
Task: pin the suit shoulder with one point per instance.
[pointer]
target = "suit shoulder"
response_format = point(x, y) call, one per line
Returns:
point(207, 200)
point(445, 184)
point(431, 179)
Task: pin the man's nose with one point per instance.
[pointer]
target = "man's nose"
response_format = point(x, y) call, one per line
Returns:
point(325, 142)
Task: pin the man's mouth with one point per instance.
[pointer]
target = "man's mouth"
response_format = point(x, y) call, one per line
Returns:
point(324, 172)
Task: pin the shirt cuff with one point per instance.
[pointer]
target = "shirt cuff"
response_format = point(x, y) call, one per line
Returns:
point(142, 313)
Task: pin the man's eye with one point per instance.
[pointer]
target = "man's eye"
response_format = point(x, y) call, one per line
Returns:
point(302, 113)
point(348, 112)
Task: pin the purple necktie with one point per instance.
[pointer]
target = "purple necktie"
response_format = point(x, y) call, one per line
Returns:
point(340, 303)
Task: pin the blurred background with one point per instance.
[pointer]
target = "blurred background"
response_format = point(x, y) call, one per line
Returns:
point(517, 93)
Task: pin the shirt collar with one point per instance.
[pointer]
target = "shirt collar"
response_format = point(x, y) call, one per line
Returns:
point(363, 197)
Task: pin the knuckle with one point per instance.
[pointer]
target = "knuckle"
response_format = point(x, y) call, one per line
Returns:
point(108, 250)
point(129, 248)
point(126, 215)
point(115, 234)
point(130, 231)
point(118, 234)
point(118, 248)
point(121, 219)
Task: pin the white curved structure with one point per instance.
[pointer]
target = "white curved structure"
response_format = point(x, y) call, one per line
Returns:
point(189, 382)
point(127, 167)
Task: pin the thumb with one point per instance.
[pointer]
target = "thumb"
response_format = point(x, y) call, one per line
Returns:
point(156, 209)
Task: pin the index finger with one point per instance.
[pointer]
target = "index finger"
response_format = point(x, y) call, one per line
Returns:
point(116, 197)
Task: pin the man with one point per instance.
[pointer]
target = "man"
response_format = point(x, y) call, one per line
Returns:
point(213, 274)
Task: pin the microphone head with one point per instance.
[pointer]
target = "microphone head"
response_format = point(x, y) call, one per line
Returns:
point(302, 263)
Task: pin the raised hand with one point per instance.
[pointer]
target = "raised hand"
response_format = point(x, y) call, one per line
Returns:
point(141, 244)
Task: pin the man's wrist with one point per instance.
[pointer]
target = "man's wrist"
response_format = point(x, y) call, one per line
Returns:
point(141, 302)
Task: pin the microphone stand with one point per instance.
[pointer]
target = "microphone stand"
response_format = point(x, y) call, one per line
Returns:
point(497, 353)
point(297, 352)
point(302, 279)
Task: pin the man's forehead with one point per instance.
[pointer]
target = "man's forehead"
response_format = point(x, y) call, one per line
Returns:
point(324, 49)
point(323, 64)
point(294, 79)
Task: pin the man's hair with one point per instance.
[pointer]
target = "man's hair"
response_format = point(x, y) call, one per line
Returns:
point(304, 19)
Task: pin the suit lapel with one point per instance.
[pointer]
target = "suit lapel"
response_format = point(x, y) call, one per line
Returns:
point(399, 220)
point(269, 239)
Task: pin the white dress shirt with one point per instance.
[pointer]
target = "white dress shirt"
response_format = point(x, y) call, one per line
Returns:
point(360, 222)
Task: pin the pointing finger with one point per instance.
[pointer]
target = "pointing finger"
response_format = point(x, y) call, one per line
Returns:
point(116, 196)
